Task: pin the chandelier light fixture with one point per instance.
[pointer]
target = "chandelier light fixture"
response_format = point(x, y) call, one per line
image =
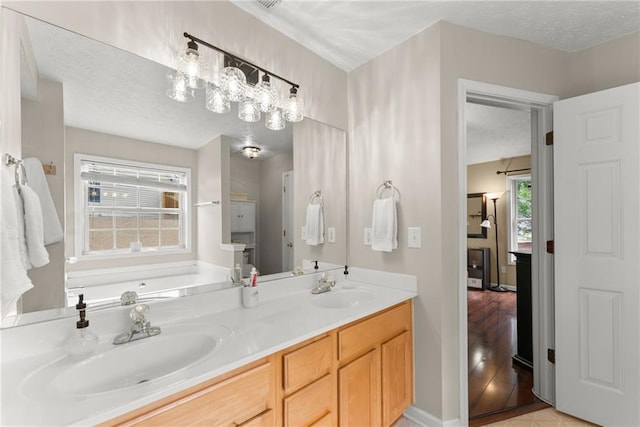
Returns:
point(253, 100)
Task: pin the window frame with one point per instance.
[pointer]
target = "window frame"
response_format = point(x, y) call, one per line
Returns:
point(80, 213)
point(512, 232)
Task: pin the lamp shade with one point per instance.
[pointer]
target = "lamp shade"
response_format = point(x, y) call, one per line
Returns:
point(485, 224)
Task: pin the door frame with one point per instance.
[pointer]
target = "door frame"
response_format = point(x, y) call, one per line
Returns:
point(287, 219)
point(542, 264)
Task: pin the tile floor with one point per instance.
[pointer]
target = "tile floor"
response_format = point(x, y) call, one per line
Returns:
point(548, 417)
point(545, 418)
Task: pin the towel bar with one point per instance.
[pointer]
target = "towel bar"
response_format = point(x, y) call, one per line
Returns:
point(386, 185)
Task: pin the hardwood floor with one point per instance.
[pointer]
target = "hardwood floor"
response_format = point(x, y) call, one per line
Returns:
point(495, 383)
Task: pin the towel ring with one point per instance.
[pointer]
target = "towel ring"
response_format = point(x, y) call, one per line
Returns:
point(387, 185)
point(316, 195)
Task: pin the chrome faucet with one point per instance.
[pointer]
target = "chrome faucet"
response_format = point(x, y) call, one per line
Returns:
point(325, 284)
point(141, 326)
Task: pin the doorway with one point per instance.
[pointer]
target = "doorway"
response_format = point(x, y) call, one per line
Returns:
point(539, 106)
point(500, 374)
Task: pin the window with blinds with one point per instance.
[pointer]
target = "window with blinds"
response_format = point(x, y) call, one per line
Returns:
point(130, 207)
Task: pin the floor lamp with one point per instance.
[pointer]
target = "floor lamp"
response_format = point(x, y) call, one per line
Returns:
point(487, 224)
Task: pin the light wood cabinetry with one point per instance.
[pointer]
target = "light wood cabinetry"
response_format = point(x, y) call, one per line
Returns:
point(375, 383)
point(244, 397)
point(357, 375)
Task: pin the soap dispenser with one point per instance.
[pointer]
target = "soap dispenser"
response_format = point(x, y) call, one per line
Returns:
point(83, 342)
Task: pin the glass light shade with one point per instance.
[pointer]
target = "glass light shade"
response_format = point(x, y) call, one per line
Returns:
point(216, 100)
point(233, 82)
point(250, 151)
point(265, 95)
point(274, 120)
point(293, 107)
point(248, 112)
point(178, 89)
point(192, 66)
point(485, 224)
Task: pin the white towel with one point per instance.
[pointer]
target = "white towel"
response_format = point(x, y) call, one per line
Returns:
point(385, 225)
point(19, 221)
point(315, 225)
point(13, 275)
point(38, 182)
point(33, 228)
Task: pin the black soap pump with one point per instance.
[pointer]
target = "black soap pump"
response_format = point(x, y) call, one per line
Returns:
point(346, 281)
point(83, 342)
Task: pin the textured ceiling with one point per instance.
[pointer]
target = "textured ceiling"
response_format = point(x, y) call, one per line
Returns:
point(348, 33)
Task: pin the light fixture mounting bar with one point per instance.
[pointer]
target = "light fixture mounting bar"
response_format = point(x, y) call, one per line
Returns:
point(237, 58)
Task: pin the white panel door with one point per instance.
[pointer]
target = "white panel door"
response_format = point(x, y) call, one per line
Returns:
point(597, 256)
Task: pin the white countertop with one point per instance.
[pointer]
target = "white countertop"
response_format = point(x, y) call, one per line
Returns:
point(286, 316)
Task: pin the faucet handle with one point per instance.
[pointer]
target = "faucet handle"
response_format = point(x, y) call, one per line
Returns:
point(128, 298)
point(138, 313)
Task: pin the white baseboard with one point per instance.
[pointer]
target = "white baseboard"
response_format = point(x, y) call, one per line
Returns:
point(425, 419)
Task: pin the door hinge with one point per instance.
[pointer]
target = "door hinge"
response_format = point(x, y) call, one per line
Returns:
point(548, 138)
point(284, 233)
point(550, 246)
point(284, 189)
point(551, 355)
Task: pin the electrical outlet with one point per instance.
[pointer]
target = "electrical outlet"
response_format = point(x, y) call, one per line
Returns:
point(368, 233)
point(503, 269)
point(331, 235)
point(303, 232)
point(415, 237)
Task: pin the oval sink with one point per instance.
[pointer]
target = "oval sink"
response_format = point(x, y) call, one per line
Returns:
point(342, 298)
point(133, 363)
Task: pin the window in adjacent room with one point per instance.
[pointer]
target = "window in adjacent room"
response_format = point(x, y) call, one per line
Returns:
point(125, 207)
point(519, 232)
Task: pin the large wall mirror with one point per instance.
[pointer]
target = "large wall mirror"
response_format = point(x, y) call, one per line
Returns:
point(85, 101)
point(476, 213)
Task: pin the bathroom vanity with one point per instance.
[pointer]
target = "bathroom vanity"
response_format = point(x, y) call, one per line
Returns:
point(344, 357)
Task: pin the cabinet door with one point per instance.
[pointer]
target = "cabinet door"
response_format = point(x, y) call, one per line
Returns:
point(397, 377)
point(243, 217)
point(359, 391)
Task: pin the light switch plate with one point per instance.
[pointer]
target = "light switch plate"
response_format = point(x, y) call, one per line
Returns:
point(331, 234)
point(303, 232)
point(415, 237)
point(368, 233)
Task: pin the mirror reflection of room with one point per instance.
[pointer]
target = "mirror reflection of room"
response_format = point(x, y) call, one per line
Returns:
point(130, 234)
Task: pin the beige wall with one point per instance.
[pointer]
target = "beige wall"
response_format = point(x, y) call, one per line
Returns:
point(102, 144)
point(43, 137)
point(320, 163)
point(394, 134)
point(403, 126)
point(482, 178)
point(245, 176)
point(154, 30)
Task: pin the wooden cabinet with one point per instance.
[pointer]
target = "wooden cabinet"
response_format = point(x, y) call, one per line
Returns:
point(357, 375)
point(375, 382)
point(359, 391)
point(243, 397)
point(308, 383)
point(524, 322)
point(397, 377)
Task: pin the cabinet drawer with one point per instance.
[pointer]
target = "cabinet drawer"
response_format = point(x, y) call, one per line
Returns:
point(310, 404)
point(365, 335)
point(243, 398)
point(306, 364)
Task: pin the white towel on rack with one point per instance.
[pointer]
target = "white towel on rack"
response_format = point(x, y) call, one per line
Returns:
point(315, 225)
point(385, 225)
point(38, 182)
point(33, 227)
point(13, 274)
point(19, 227)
